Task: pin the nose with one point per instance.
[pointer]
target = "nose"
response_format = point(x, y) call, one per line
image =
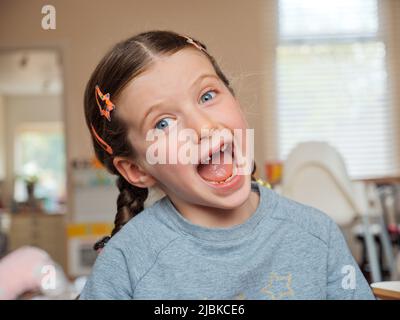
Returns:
point(202, 123)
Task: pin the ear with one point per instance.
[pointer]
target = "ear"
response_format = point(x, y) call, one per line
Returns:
point(133, 173)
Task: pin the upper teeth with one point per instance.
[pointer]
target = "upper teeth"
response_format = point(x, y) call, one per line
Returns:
point(223, 148)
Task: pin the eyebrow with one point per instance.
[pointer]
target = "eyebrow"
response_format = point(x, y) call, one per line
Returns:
point(159, 104)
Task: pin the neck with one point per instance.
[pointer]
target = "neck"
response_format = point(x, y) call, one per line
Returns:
point(211, 217)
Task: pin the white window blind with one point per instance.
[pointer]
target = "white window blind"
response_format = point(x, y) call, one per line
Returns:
point(332, 82)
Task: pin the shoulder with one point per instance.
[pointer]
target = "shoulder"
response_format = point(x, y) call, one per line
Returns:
point(302, 217)
point(142, 239)
point(128, 256)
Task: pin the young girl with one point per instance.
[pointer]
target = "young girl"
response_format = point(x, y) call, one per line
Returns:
point(217, 234)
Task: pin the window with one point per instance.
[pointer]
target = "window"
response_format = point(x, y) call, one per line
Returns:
point(40, 152)
point(332, 82)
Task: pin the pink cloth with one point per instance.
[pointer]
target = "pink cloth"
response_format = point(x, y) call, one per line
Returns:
point(21, 271)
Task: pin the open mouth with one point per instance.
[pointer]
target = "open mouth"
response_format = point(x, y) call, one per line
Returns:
point(219, 168)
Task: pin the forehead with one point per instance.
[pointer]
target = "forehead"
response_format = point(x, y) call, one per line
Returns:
point(165, 79)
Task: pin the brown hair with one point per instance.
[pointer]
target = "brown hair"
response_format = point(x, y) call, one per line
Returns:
point(125, 61)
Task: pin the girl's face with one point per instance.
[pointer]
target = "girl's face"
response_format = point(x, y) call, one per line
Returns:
point(177, 92)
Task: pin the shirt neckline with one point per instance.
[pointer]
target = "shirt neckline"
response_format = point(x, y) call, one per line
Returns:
point(221, 234)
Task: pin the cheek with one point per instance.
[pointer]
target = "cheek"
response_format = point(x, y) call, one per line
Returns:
point(160, 158)
point(169, 176)
point(244, 137)
point(151, 146)
point(232, 116)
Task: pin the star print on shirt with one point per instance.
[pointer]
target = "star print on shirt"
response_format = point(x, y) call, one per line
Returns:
point(240, 296)
point(274, 287)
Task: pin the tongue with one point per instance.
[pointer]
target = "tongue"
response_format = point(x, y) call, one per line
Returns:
point(217, 172)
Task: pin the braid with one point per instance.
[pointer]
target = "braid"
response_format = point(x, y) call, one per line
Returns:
point(130, 202)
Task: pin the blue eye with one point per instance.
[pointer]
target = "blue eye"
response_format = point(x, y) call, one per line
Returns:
point(208, 96)
point(163, 123)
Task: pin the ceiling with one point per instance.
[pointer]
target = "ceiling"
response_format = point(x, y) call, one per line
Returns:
point(30, 72)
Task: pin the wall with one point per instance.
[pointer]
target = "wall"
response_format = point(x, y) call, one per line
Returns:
point(240, 34)
point(2, 140)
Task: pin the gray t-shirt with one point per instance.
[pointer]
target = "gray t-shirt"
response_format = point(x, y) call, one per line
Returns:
point(285, 250)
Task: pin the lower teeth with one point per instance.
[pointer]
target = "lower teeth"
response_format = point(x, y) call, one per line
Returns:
point(225, 181)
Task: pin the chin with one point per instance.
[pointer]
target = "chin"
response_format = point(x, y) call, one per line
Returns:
point(234, 199)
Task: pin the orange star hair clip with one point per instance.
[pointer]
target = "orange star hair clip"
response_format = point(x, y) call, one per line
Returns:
point(105, 105)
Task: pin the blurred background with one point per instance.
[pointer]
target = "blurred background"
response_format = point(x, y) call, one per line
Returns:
point(319, 81)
